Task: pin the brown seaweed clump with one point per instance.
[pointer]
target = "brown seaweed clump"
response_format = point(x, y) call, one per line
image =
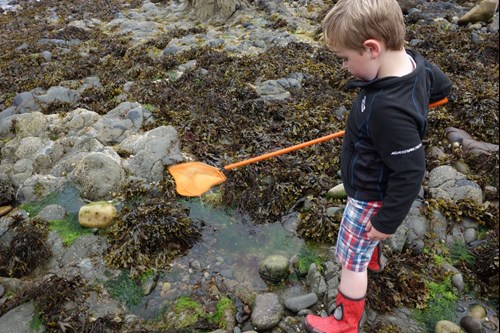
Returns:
point(402, 283)
point(150, 234)
point(28, 249)
point(49, 297)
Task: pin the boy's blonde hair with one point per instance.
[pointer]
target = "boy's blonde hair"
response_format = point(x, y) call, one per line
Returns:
point(351, 22)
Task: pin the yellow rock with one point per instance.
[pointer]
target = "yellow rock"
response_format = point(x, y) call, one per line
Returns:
point(482, 12)
point(4, 210)
point(99, 214)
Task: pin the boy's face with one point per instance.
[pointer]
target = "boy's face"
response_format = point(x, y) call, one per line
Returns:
point(361, 65)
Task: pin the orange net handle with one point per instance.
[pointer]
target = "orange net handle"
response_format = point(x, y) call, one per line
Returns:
point(438, 103)
point(305, 144)
point(284, 150)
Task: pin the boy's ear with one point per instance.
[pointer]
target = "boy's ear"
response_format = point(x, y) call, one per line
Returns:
point(374, 47)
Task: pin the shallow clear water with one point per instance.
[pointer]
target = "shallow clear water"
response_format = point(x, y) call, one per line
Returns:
point(231, 246)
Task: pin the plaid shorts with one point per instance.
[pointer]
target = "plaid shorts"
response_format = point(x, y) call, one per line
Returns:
point(354, 249)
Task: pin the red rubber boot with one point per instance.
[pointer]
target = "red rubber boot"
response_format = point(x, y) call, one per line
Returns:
point(344, 319)
point(377, 261)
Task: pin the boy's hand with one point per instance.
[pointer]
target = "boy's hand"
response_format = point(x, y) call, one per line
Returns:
point(374, 234)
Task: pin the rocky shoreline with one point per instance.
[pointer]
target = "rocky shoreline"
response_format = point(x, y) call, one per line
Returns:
point(98, 131)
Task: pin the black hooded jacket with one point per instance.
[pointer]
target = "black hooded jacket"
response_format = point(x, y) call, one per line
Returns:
point(382, 154)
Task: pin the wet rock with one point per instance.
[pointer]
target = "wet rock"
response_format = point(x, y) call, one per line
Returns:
point(472, 325)
point(457, 281)
point(445, 326)
point(315, 281)
point(477, 311)
point(469, 144)
point(59, 94)
point(149, 152)
point(52, 212)
point(274, 268)
point(38, 186)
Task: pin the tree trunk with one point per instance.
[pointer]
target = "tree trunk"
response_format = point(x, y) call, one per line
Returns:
point(215, 9)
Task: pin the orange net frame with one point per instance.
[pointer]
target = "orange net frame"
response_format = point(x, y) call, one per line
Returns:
point(195, 178)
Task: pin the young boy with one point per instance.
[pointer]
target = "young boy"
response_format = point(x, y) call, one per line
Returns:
point(383, 161)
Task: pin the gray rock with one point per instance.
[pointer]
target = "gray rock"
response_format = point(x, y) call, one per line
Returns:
point(472, 325)
point(6, 190)
point(59, 94)
point(98, 175)
point(151, 151)
point(52, 212)
point(457, 281)
point(18, 320)
point(298, 303)
point(39, 186)
point(445, 182)
point(267, 311)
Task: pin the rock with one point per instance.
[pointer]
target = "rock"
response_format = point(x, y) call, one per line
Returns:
point(4, 210)
point(469, 145)
point(472, 325)
point(274, 268)
point(482, 12)
point(98, 175)
point(151, 151)
point(267, 312)
point(457, 281)
point(445, 182)
point(52, 212)
point(6, 190)
point(477, 311)
point(444, 326)
point(100, 214)
point(301, 302)
point(18, 320)
point(337, 192)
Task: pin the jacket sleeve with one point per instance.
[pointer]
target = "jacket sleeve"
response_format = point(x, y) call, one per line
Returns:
point(441, 86)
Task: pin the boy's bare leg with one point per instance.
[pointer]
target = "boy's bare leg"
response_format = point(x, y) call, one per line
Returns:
point(353, 284)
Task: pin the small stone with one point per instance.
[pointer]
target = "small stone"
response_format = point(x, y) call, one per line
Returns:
point(471, 325)
point(477, 311)
point(445, 326)
point(4, 210)
point(337, 192)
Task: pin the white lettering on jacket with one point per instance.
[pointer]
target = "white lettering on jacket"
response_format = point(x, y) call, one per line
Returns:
point(406, 151)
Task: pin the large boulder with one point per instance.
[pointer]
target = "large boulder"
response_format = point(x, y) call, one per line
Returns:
point(98, 175)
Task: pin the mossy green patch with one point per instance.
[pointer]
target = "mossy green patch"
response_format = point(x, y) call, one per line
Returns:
point(68, 229)
point(441, 304)
point(124, 289)
point(218, 317)
point(308, 255)
point(36, 322)
point(34, 207)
